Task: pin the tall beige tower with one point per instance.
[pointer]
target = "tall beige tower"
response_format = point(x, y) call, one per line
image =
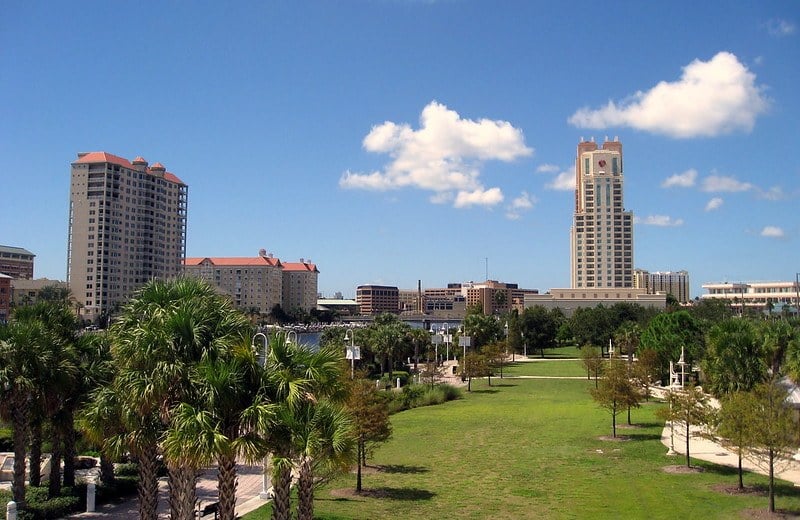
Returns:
point(602, 231)
point(127, 225)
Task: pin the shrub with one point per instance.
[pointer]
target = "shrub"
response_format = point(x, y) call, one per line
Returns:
point(56, 507)
point(6, 440)
point(126, 469)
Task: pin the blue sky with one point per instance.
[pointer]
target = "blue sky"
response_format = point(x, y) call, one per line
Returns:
point(392, 141)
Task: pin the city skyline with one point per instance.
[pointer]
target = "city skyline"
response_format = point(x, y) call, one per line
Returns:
point(392, 141)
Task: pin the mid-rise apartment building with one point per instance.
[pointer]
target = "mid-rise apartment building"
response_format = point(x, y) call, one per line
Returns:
point(16, 262)
point(250, 282)
point(668, 282)
point(300, 285)
point(602, 231)
point(127, 225)
point(259, 283)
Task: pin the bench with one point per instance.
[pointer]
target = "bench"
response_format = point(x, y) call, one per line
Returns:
point(213, 507)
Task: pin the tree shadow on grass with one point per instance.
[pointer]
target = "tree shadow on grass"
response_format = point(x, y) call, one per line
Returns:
point(406, 493)
point(403, 469)
point(643, 436)
point(487, 391)
point(502, 385)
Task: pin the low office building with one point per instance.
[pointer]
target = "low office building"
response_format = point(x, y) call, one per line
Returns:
point(5, 297)
point(377, 299)
point(754, 295)
point(340, 306)
point(568, 300)
point(26, 292)
point(16, 262)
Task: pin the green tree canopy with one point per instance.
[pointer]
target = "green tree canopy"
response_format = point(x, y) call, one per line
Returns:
point(734, 358)
point(667, 333)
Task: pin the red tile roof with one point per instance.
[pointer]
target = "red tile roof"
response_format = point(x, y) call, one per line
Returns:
point(300, 266)
point(234, 261)
point(105, 157)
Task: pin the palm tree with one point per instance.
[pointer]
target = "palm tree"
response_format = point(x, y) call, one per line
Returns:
point(164, 333)
point(24, 357)
point(323, 439)
point(296, 377)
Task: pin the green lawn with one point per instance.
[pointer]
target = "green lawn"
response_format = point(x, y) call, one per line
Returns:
point(571, 351)
point(529, 448)
point(557, 368)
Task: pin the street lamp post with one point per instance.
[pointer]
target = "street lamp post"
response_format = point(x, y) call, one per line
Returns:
point(291, 338)
point(446, 335)
point(265, 493)
point(351, 336)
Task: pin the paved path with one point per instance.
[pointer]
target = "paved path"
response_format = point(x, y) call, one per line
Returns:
point(247, 498)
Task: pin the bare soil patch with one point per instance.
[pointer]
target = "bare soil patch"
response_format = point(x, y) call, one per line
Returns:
point(733, 489)
point(764, 514)
point(681, 470)
point(618, 438)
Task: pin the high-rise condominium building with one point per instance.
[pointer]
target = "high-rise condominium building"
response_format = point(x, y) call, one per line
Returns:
point(669, 282)
point(602, 231)
point(127, 225)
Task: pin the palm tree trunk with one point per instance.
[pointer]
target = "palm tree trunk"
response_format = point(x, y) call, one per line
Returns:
point(305, 492)
point(54, 486)
point(106, 470)
point(226, 483)
point(148, 485)
point(182, 495)
point(282, 485)
point(70, 451)
point(20, 420)
point(35, 462)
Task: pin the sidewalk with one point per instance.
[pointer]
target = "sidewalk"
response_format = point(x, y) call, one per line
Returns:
point(710, 451)
point(247, 498)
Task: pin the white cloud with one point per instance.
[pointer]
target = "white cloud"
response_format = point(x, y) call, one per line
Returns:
point(478, 197)
point(443, 197)
point(547, 168)
point(714, 203)
point(721, 183)
point(564, 181)
point(774, 193)
point(522, 203)
point(779, 27)
point(772, 232)
point(658, 220)
point(681, 180)
point(444, 155)
point(712, 97)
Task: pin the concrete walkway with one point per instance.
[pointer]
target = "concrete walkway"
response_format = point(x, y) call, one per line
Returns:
point(705, 449)
point(247, 498)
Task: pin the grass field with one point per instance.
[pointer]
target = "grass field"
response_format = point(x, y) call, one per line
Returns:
point(530, 448)
point(546, 367)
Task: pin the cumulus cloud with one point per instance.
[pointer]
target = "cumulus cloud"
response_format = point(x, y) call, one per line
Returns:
point(478, 197)
point(564, 181)
point(444, 155)
point(681, 180)
point(658, 220)
point(774, 193)
point(772, 232)
point(721, 183)
point(524, 202)
point(547, 168)
point(779, 27)
point(714, 203)
point(711, 98)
